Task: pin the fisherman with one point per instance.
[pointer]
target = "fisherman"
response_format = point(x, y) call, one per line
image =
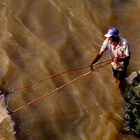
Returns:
point(119, 54)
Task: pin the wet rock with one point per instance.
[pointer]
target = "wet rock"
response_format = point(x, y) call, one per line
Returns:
point(132, 104)
point(6, 122)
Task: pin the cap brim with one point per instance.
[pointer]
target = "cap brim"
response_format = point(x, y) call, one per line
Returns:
point(107, 35)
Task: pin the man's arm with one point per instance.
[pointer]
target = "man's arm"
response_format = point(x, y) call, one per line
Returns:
point(126, 55)
point(100, 53)
point(119, 59)
point(123, 58)
point(98, 56)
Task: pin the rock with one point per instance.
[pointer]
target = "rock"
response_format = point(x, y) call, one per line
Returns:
point(6, 122)
point(134, 78)
point(132, 104)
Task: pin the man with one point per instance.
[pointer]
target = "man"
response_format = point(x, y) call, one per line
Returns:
point(119, 54)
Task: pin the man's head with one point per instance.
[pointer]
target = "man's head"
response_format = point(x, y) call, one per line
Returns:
point(113, 34)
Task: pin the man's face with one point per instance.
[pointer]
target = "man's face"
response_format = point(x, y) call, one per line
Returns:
point(114, 39)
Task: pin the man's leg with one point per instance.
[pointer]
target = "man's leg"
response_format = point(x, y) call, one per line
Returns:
point(119, 77)
point(122, 78)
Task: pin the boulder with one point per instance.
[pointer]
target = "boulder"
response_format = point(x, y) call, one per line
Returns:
point(132, 104)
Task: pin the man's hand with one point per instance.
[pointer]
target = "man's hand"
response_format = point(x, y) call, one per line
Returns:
point(115, 59)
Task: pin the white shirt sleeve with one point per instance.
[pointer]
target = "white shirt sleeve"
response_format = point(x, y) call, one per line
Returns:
point(127, 50)
point(104, 46)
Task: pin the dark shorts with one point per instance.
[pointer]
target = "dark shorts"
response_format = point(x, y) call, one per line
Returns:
point(120, 75)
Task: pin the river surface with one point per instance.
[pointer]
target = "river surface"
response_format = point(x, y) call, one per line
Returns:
point(43, 37)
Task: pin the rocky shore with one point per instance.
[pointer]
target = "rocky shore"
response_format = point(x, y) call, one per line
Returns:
point(132, 104)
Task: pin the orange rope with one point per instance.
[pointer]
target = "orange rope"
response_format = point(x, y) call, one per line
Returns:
point(51, 76)
point(56, 89)
point(46, 95)
point(45, 78)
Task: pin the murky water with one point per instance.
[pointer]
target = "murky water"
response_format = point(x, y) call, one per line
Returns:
point(42, 37)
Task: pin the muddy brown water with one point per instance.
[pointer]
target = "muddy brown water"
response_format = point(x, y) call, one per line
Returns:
point(42, 37)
